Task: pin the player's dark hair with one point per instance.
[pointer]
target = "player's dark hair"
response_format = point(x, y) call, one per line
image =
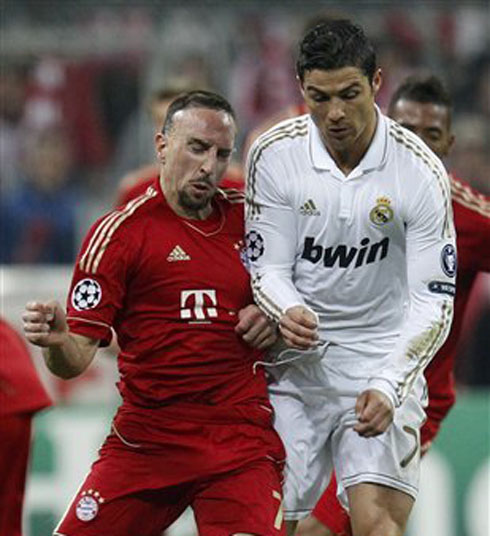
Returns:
point(428, 89)
point(334, 44)
point(196, 99)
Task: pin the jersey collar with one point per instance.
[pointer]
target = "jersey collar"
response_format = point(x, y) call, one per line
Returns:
point(373, 159)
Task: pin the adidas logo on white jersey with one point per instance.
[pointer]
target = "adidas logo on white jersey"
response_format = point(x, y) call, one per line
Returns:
point(178, 254)
point(309, 209)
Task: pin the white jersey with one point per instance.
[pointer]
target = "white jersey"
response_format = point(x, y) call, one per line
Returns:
point(372, 253)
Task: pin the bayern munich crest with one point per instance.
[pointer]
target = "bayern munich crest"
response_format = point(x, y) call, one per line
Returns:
point(255, 245)
point(86, 294)
point(88, 505)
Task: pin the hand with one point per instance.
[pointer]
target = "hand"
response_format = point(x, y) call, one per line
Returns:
point(299, 327)
point(255, 328)
point(45, 324)
point(374, 412)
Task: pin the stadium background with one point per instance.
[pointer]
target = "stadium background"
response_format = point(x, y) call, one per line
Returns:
point(74, 80)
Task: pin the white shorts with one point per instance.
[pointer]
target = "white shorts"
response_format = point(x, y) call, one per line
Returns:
point(314, 405)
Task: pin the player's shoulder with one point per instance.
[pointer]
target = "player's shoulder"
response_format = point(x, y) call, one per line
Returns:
point(136, 183)
point(469, 199)
point(122, 218)
point(231, 202)
point(282, 136)
point(121, 227)
point(231, 199)
point(411, 150)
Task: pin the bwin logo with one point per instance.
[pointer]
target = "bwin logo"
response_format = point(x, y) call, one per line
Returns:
point(366, 254)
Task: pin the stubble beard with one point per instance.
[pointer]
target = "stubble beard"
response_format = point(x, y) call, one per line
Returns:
point(192, 204)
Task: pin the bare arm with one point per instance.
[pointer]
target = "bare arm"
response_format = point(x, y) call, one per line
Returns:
point(66, 354)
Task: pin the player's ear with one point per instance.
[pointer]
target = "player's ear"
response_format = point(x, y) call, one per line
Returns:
point(160, 146)
point(377, 81)
point(301, 86)
point(452, 137)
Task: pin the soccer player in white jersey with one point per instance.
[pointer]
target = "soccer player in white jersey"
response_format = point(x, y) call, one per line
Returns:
point(351, 247)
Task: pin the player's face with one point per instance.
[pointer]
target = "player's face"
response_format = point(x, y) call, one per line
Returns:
point(429, 121)
point(341, 103)
point(195, 154)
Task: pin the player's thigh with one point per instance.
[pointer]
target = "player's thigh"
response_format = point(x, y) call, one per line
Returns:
point(144, 512)
point(377, 509)
point(245, 502)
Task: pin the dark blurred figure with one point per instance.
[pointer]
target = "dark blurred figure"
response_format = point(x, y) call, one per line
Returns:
point(13, 84)
point(21, 396)
point(39, 217)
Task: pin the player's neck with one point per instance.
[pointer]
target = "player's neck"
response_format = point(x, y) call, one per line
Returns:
point(191, 213)
point(348, 159)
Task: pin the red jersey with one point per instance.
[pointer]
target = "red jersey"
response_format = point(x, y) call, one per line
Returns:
point(171, 288)
point(21, 390)
point(472, 221)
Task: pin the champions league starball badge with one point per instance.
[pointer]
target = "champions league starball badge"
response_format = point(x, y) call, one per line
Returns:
point(254, 246)
point(448, 260)
point(86, 294)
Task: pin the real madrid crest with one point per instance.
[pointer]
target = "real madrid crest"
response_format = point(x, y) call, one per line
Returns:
point(382, 213)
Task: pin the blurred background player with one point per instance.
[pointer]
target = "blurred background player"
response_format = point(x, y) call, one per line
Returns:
point(137, 181)
point(22, 395)
point(39, 217)
point(424, 106)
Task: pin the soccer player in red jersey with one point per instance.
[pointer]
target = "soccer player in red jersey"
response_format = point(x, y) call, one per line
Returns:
point(423, 106)
point(21, 396)
point(165, 271)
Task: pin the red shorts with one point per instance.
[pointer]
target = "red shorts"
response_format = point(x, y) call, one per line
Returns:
point(230, 474)
point(331, 513)
point(15, 434)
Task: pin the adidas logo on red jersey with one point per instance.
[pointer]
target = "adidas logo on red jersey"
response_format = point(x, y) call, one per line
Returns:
point(178, 254)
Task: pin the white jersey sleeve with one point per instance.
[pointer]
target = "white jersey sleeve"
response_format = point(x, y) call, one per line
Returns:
point(431, 272)
point(271, 230)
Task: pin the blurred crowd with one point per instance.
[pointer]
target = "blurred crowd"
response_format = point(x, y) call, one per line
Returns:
point(76, 79)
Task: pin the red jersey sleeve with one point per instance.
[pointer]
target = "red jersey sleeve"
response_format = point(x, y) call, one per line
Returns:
point(472, 219)
point(99, 279)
